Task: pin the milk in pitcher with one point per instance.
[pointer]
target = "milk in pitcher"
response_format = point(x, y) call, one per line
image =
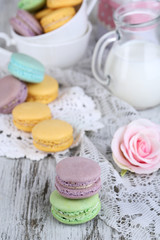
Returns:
point(134, 72)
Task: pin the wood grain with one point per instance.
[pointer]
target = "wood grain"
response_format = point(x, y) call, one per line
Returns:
point(25, 187)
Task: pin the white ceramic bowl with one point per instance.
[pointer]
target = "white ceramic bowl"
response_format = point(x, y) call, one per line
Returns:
point(73, 29)
point(61, 55)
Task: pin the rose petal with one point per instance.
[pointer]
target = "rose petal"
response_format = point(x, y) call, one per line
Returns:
point(151, 133)
point(133, 160)
point(135, 141)
point(115, 146)
point(121, 165)
point(129, 133)
point(138, 169)
point(146, 170)
point(138, 126)
point(136, 147)
point(153, 150)
point(128, 155)
point(143, 122)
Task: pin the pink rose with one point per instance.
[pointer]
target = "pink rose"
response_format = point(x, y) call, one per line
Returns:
point(136, 146)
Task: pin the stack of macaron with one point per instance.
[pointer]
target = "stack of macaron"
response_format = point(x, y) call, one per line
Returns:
point(42, 16)
point(76, 199)
point(25, 93)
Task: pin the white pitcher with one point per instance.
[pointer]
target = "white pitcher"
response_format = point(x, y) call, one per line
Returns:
point(131, 69)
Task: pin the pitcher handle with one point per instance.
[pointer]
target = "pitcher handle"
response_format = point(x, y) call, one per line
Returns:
point(90, 6)
point(97, 57)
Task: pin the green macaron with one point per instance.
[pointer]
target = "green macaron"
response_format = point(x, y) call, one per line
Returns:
point(74, 211)
point(31, 5)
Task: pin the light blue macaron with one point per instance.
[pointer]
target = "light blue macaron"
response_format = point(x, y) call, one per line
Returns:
point(26, 68)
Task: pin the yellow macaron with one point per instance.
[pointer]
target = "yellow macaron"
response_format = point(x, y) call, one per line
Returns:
point(44, 92)
point(62, 3)
point(52, 135)
point(57, 18)
point(43, 13)
point(28, 114)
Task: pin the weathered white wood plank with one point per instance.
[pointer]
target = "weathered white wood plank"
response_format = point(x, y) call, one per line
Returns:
point(25, 187)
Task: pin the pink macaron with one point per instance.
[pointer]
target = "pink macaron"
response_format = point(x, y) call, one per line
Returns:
point(12, 93)
point(78, 177)
point(26, 24)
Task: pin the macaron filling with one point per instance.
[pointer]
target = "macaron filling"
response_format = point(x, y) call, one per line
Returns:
point(76, 217)
point(52, 144)
point(75, 193)
point(29, 123)
point(45, 98)
point(57, 22)
point(77, 185)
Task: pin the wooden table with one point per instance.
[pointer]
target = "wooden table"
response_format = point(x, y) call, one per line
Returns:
point(25, 187)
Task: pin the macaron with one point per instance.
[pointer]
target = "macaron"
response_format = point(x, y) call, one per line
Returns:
point(31, 5)
point(43, 13)
point(28, 114)
point(26, 68)
point(62, 3)
point(12, 93)
point(25, 24)
point(78, 177)
point(74, 211)
point(52, 135)
point(57, 18)
point(44, 92)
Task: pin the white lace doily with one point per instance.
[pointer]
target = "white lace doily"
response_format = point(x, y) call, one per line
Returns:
point(72, 105)
point(130, 204)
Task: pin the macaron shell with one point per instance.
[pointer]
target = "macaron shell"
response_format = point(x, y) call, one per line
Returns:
point(78, 170)
point(53, 147)
point(44, 92)
point(9, 88)
point(30, 20)
point(75, 211)
point(31, 110)
point(43, 13)
point(62, 3)
point(21, 97)
point(21, 28)
point(28, 114)
point(31, 5)
point(72, 205)
point(52, 135)
point(12, 92)
point(53, 130)
point(80, 193)
point(26, 68)
point(57, 18)
point(83, 217)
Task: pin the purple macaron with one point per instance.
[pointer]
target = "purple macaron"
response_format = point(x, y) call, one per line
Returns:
point(26, 24)
point(77, 177)
point(12, 93)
